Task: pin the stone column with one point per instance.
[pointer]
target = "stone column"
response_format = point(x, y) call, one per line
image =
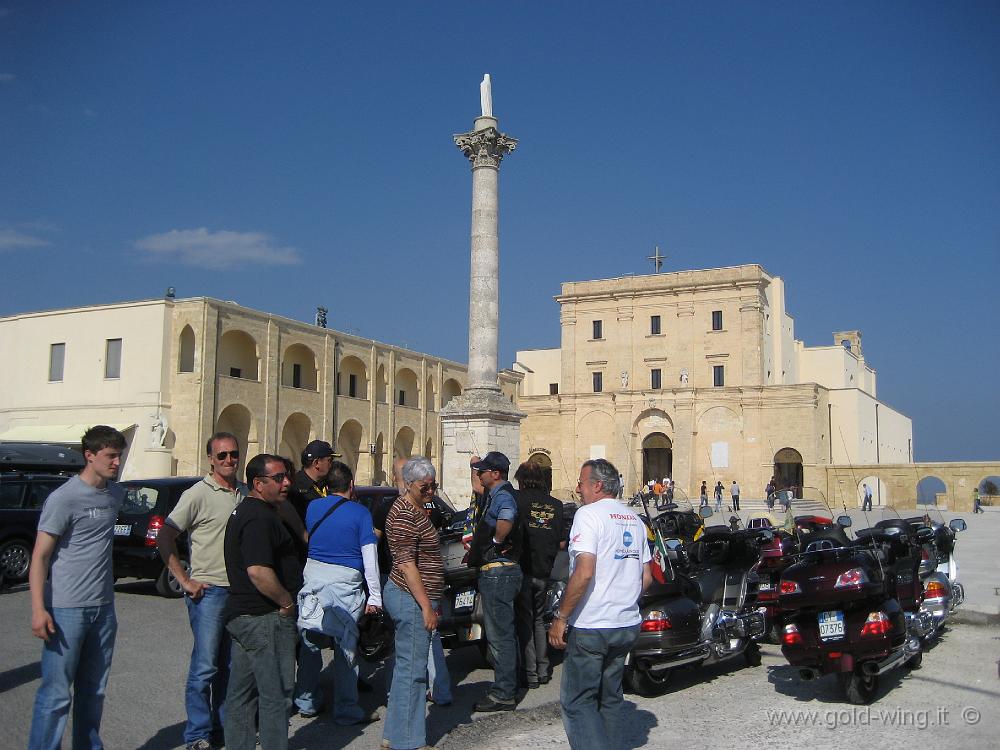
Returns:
point(481, 419)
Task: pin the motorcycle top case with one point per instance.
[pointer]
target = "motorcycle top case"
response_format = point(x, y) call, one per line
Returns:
point(817, 576)
point(685, 623)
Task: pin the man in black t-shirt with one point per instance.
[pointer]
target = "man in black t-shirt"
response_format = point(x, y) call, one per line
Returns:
point(546, 536)
point(312, 480)
point(262, 565)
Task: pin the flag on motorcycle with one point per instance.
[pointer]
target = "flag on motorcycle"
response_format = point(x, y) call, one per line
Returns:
point(659, 551)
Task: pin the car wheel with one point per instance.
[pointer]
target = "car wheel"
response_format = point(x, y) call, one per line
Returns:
point(647, 684)
point(167, 585)
point(15, 559)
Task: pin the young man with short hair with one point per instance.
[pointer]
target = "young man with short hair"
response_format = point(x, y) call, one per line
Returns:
point(72, 595)
point(203, 512)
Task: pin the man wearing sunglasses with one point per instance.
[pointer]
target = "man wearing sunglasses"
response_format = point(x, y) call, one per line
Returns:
point(203, 512)
point(497, 545)
point(262, 563)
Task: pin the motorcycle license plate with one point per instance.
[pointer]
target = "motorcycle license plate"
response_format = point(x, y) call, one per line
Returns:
point(765, 582)
point(122, 529)
point(831, 625)
point(465, 599)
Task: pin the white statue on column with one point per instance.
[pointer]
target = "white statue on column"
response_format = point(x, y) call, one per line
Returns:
point(486, 96)
point(157, 431)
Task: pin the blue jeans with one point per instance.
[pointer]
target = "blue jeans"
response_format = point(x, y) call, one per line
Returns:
point(437, 672)
point(591, 689)
point(499, 588)
point(208, 674)
point(308, 696)
point(405, 724)
point(261, 679)
point(78, 654)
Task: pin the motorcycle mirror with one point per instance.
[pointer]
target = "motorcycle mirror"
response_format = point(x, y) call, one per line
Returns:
point(957, 524)
point(704, 511)
point(844, 521)
point(673, 544)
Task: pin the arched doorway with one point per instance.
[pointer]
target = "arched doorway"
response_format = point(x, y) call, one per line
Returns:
point(788, 470)
point(880, 491)
point(349, 443)
point(295, 436)
point(928, 490)
point(236, 419)
point(657, 457)
point(402, 446)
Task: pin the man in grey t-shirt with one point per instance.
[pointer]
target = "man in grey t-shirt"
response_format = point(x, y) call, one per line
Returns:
point(72, 595)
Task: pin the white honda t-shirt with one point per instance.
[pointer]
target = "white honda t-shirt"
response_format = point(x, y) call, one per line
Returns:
point(616, 536)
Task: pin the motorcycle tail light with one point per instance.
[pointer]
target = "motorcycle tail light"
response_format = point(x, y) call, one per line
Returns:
point(853, 578)
point(789, 587)
point(655, 622)
point(876, 624)
point(925, 553)
point(791, 636)
point(935, 590)
point(155, 524)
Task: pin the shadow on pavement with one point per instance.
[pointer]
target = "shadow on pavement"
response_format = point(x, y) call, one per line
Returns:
point(18, 676)
point(166, 739)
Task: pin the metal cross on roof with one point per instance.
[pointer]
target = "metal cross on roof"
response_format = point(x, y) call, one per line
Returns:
point(657, 259)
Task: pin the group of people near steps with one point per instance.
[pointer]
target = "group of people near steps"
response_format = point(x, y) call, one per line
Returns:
point(285, 564)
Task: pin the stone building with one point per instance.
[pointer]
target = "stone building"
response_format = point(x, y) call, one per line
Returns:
point(697, 375)
point(170, 372)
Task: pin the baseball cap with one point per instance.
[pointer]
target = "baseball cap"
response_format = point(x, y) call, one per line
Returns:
point(492, 460)
point(317, 449)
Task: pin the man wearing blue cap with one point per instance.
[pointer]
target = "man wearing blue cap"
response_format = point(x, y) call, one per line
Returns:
point(497, 546)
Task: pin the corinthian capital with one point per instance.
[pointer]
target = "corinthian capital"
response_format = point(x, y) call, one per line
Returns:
point(485, 148)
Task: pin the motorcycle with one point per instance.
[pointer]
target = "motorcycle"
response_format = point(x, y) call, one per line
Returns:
point(938, 568)
point(853, 608)
point(701, 608)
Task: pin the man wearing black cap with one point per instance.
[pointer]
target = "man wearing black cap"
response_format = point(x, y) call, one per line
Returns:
point(311, 480)
point(497, 545)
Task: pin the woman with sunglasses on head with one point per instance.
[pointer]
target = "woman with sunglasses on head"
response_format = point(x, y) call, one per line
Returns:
point(412, 596)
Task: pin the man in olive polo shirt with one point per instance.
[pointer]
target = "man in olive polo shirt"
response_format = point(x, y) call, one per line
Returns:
point(203, 512)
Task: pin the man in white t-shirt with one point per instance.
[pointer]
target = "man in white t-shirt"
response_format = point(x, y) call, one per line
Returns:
point(609, 570)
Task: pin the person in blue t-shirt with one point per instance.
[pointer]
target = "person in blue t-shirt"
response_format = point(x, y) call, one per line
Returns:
point(342, 558)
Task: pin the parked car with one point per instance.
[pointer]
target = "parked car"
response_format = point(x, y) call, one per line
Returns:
point(41, 458)
point(22, 495)
point(147, 504)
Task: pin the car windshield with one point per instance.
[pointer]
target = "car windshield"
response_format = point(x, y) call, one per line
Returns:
point(139, 500)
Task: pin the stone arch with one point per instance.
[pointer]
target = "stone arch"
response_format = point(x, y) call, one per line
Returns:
point(295, 436)
point(239, 356)
point(989, 486)
point(185, 350)
point(788, 470)
point(449, 390)
point(930, 488)
point(657, 457)
point(430, 391)
point(381, 385)
point(298, 367)
point(378, 461)
point(407, 388)
point(402, 446)
point(238, 420)
point(352, 378)
point(721, 419)
point(880, 491)
point(349, 443)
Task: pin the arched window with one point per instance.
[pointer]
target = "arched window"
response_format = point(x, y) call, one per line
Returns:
point(185, 354)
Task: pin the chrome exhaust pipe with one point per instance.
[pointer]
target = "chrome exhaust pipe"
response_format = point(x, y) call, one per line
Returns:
point(663, 666)
point(872, 668)
point(808, 674)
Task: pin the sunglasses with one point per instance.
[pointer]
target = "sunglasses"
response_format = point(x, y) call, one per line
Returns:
point(480, 472)
point(424, 489)
point(221, 455)
point(280, 477)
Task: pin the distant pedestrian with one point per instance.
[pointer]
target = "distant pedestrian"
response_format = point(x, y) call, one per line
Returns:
point(769, 494)
point(203, 512)
point(867, 503)
point(977, 506)
point(73, 597)
point(704, 494)
point(734, 490)
point(546, 536)
point(609, 569)
point(718, 496)
point(262, 564)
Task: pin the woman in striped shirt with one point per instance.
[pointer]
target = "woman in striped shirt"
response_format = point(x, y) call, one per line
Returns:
point(412, 596)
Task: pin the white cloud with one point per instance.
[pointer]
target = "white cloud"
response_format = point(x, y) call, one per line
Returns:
point(7, 77)
point(222, 249)
point(11, 239)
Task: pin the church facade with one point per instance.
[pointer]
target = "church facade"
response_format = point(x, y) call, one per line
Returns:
point(697, 375)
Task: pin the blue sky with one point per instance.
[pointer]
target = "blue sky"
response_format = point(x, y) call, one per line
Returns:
point(291, 155)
